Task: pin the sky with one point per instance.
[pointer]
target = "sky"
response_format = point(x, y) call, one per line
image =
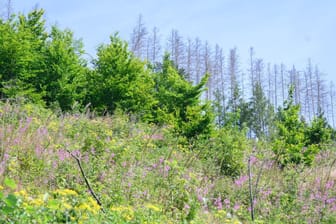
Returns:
point(286, 31)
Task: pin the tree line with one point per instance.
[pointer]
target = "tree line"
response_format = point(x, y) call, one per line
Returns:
point(229, 80)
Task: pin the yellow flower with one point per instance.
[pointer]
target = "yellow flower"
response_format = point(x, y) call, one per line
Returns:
point(126, 211)
point(94, 205)
point(83, 207)
point(66, 192)
point(129, 217)
point(121, 208)
point(37, 202)
point(1, 188)
point(22, 193)
point(82, 219)
point(153, 207)
point(67, 206)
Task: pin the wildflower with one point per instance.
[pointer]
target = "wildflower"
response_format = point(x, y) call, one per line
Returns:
point(37, 202)
point(120, 208)
point(67, 206)
point(167, 168)
point(329, 184)
point(218, 203)
point(62, 154)
point(153, 207)
point(253, 160)
point(330, 200)
point(21, 193)
point(128, 217)
point(239, 182)
point(236, 207)
point(65, 192)
point(54, 164)
point(83, 207)
point(94, 205)
point(38, 151)
point(1, 188)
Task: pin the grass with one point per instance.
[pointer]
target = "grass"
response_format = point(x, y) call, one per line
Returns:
point(143, 174)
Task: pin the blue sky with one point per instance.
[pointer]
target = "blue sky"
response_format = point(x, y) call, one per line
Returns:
point(286, 31)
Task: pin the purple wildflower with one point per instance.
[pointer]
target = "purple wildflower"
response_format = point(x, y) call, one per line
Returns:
point(218, 203)
point(239, 182)
point(227, 203)
point(236, 207)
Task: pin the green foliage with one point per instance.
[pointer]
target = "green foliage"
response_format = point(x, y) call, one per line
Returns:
point(179, 102)
point(43, 67)
point(319, 132)
point(226, 150)
point(236, 114)
point(64, 75)
point(21, 61)
point(289, 143)
point(261, 114)
point(120, 80)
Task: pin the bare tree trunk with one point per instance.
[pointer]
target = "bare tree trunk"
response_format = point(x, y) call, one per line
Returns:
point(321, 91)
point(198, 66)
point(311, 87)
point(282, 72)
point(138, 39)
point(259, 68)
point(275, 86)
point(176, 46)
point(252, 70)
point(207, 69)
point(307, 100)
point(269, 74)
point(154, 47)
point(189, 60)
point(332, 95)
point(233, 72)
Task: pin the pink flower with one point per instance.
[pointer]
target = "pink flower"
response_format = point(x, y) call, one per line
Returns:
point(200, 198)
point(167, 168)
point(62, 154)
point(329, 184)
point(218, 203)
point(227, 203)
point(38, 151)
point(239, 182)
point(330, 200)
point(253, 160)
point(236, 207)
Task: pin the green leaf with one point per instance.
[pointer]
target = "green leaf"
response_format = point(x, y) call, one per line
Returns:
point(11, 200)
point(53, 204)
point(10, 183)
point(7, 209)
